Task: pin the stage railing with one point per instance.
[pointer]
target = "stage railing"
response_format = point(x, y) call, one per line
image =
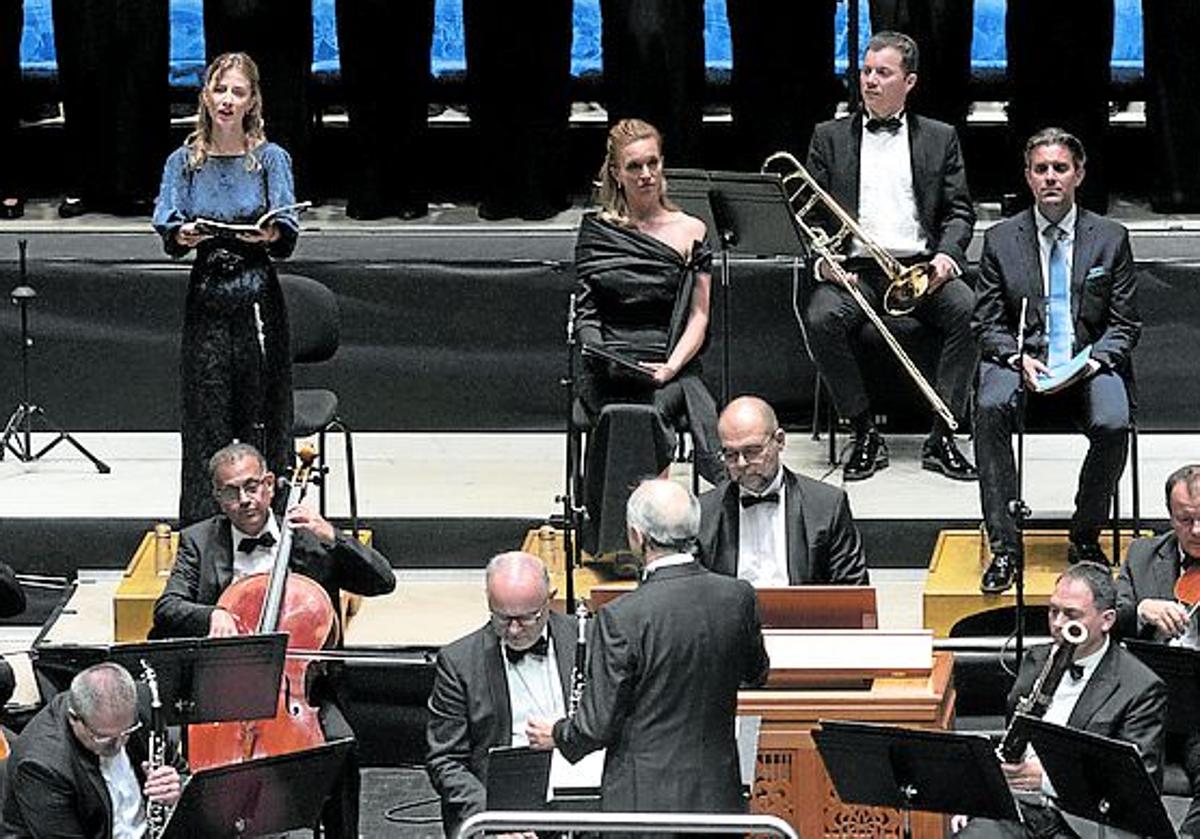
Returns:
point(521, 820)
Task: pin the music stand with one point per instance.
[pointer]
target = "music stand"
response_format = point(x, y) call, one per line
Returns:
point(1098, 778)
point(747, 213)
point(910, 769)
point(199, 679)
point(1179, 667)
point(264, 796)
point(517, 778)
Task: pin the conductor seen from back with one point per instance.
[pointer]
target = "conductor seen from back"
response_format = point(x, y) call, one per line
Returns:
point(663, 677)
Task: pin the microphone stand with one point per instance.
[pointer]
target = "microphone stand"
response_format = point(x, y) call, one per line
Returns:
point(17, 436)
point(570, 511)
point(728, 238)
point(1017, 508)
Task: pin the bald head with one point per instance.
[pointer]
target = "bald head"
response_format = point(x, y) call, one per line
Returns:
point(751, 441)
point(663, 517)
point(518, 593)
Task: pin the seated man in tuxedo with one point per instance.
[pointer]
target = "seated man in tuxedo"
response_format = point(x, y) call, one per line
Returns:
point(1112, 694)
point(243, 539)
point(490, 682)
point(767, 524)
point(1071, 272)
point(79, 767)
point(1146, 604)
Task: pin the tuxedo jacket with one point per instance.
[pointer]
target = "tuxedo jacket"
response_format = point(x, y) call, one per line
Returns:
point(1123, 700)
point(204, 568)
point(1151, 569)
point(823, 543)
point(662, 692)
point(469, 713)
point(939, 179)
point(54, 784)
point(1103, 291)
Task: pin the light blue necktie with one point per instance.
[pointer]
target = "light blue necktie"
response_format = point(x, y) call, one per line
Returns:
point(1060, 299)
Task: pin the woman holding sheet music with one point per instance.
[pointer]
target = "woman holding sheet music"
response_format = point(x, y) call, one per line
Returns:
point(643, 269)
point(235, 368)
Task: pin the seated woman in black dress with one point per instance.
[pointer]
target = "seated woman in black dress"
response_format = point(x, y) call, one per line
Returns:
point(644, 274)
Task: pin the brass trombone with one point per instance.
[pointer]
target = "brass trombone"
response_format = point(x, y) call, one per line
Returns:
point(906, 285)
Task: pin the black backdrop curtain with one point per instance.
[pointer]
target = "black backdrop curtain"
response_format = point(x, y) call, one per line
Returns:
point(1172, 66)
point(112, 69)
point(1059, 74)
point(384, 49)
point(519, 74)
point(278, 35)
point(654, 70)
point(11, 17)
point(942, 30)
point(783, 76)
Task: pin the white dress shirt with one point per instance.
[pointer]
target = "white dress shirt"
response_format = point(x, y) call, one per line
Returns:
point(1066, 697)
point(125, 794)
point(762, 538)
point(887, 205)
point(258, 560)
point(534, 689)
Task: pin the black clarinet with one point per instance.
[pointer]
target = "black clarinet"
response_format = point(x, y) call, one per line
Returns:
point(579, 669)
point(156, 811)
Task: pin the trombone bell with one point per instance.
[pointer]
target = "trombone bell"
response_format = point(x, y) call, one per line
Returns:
point(907, 288)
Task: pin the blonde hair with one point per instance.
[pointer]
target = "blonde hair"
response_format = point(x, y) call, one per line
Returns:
point(200, 141)
point(609, 194)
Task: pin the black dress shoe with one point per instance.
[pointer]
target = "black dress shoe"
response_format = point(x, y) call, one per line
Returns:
point(410, 211)
point(941, 454)
point(1000, 575)
point(72, 208)
point(366, 211)
point(12, 208)
point(1086, 552)
point(868, 456)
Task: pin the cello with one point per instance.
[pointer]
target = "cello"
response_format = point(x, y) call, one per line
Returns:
point(275, 601)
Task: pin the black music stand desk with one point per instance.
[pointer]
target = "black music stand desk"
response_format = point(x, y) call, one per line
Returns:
point(1179, 668)
point(1098, 778)
point(913, 769)
point(264, 796)
point(199, 679)
point(746, 213)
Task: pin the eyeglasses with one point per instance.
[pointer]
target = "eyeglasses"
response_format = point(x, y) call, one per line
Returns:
point(232, 493)
point(104, 739)
point(751, 454)
point(528, 619)
point(1185, 522)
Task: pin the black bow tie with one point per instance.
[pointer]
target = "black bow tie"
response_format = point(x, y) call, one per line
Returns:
point(749, 501)
point(249, 543)
point(1076, 671)
point(540, 648)
point(889, 124)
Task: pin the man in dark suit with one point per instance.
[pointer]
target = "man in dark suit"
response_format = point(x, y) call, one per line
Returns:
point(207, 563)
point(1075, 269)
point(1146, 603)
point(901, 176)
point(489, 682)
point(768, 525)
point(669, 657)
point(1113, 694)
point(77, 769)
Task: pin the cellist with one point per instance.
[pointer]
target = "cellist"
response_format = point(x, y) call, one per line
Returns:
point(242, 540)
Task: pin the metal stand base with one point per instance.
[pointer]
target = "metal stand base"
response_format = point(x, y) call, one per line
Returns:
point(18, 431)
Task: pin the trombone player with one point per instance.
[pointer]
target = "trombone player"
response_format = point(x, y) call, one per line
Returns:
point(901, 177)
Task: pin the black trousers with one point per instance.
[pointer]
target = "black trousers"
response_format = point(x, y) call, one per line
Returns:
point(519, 74)
point(833, 319)
point(278, 35)
point(12, 16)
point(339, 817)
point(1098, 406)
point(654, 69)
point(384, 50)
point(942, 30)
point(112, 68)
point(1043, 41)
point(783, 79)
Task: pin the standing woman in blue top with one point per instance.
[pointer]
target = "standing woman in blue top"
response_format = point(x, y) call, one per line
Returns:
point(235, 368)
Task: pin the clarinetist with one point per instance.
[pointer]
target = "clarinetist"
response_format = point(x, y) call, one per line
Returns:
point(1107, 691)
point(517, 666)
point(78, 768)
